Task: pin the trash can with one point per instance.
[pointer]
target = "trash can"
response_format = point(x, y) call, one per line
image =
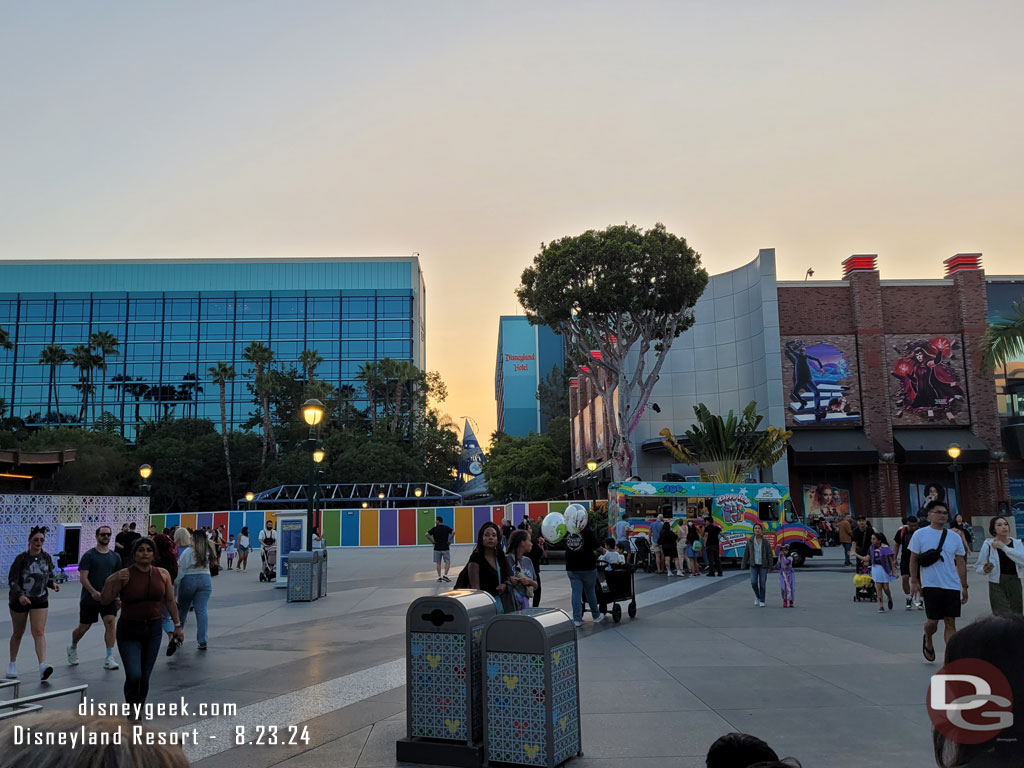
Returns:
point(444, 680)
point(531, 689)
point(323, 572)
point(301, 586)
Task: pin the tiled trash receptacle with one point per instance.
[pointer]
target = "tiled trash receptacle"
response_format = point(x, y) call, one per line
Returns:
point(444, 681)
point(531, 689)
point(302, 586)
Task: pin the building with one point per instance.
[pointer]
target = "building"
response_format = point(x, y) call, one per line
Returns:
point(526, 354)
point(875, 378)
point(174, 319)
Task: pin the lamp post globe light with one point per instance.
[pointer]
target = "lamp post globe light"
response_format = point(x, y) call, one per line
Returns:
point(249, 496)
point(144, 472)
point(418, 492)
point(312, 414)
point(592, 468)
point(953, 451)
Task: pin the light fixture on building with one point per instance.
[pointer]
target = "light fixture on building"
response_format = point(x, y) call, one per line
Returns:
point(953, 451)
point(591, 465)
point(318, 455)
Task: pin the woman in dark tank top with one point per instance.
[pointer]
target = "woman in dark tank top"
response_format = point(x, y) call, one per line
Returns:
point(145, 591)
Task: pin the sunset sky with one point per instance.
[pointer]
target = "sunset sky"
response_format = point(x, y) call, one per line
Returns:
point(472, 132)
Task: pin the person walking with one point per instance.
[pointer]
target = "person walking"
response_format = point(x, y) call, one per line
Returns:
point(938, 568)
point(94, 568)
point(123, 541)
point(581, 567)
point(523, 578)
point(1001, 560)
point(862, 540)
point(966, 530)
point(167, 559)
point(441, 537)
point(902, 553)
point(712, 546)
point(757, 556)
point(231, 550)
point(194, 584)
point(142, 588)
point(846, 538)
point(659, 556)
point(883, 566)
point(28, 600)
point(669, 541)
point(787, 578)
point(536, 554)
point(268, 536)
point(244, 548)
point(692, 550)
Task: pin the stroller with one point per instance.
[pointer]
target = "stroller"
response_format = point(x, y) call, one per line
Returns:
point(617, 586)
point(269, 558)
point(863, 586)
point(643, 554)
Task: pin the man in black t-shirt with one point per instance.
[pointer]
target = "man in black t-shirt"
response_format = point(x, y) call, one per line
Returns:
point(124, 540)
point(712, 531)
point(441, 537)
point(862, 538)
point(94, 568)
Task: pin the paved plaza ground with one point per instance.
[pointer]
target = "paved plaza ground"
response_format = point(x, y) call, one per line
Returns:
point(831, 682)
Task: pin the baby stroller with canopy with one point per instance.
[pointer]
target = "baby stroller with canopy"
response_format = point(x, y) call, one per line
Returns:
point(617, 586)
point(268, 553)
point(863, 586)
point(643, 554)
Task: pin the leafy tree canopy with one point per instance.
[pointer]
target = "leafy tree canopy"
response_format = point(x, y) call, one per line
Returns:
point(520, 468)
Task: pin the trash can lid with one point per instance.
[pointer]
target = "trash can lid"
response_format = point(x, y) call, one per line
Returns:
point(533, 630)
point(454, 611)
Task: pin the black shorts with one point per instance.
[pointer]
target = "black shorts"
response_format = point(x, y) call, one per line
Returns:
point(89, 613)
point(941, 603)
point(904, 566)
point(38, 603)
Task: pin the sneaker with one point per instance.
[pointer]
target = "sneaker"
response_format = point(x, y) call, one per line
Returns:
point(576, 623)
point(12, 671)
point(601, 617)
point(919, 605)
point(761, 605)
point(890, 603)
point(111, 663)
point(445, 578)
point(881, 609)
point(202, 646)
point(439, 579)
point(172, 646)
point(45, 670)
point(72, 656)
point(910, 605)
point(756, 602)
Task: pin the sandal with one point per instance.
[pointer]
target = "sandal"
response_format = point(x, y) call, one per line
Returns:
point(929, 653)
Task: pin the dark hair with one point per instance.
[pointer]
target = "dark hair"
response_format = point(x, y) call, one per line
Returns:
point(439, 519)
point(936, 503)
point(38, 529)
point(997, 640)
point(862, 517)
point(102, 527)
point(738, 749)
point(143, 540)
point(244, 531)
point(517, 538)
point(786, 762)
point(609, 542)
point(911, 520)
point(992, 524)
point(480, 535)
point(880, 536)
point(131, 526)
point(940, 491)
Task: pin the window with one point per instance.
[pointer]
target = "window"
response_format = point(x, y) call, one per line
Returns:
point(143, 351)
point(72, 310)
point(394, 328)
point(322, 307)
point(359, 349)
point(394, 306)
point(322, 329)
point(768, 511)
point(356, 329)
point(394, 348)
point(180, 330)
point(8, 312)
point(252, 332)
point(253, 309)
point(357, 306)
point(34, 333)
point(108, 310)
point(145, 309)
point(72, 333)
point(287, 351)
point(286, 330)
point(182, 309)
point(288, 308)
point(37, 311)
point(144, 331)
point(217, 330)
point(215, 350)
point(218, 309)
point(180, 351)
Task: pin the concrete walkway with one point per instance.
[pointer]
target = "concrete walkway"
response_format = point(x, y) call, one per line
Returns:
point(831, 682)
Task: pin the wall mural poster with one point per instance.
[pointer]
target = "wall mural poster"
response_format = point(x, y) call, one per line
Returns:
point(919, 494)
point(821, 381)
point(926, 382)
point(826, 499)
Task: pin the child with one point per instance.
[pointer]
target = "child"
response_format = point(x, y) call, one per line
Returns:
point(230, 551)
point(610, 555)
point(883, 566)
point(787, 579)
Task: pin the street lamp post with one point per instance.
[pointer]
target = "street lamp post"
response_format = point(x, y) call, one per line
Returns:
point(312, 414)
point(954, 467)
point(249, 496)
point(592, 468)
point(144, 472)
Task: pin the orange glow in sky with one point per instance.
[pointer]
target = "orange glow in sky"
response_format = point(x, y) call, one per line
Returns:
point(470, 133)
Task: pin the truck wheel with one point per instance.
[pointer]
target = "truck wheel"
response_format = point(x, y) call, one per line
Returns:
point(799, 556)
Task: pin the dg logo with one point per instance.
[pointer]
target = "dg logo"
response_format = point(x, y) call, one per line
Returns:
point(970, 701)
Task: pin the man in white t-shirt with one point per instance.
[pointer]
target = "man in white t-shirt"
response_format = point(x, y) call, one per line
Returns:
point(943, 584)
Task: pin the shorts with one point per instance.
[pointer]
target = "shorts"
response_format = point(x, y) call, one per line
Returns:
point(656, 548)
point(690, 551)
point(37, 604)
point(443, 556)
point(879, 575)
point(941, 603)
point(904, 566)
point(89, 613)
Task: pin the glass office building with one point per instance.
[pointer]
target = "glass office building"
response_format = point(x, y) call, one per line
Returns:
point(174, 319)
point(526, 355)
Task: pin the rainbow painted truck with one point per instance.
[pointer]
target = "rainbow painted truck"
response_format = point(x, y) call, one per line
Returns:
point(736, 507)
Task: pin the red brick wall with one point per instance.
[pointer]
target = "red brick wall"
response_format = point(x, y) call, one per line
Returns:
point(919, 308)
point(815, 309)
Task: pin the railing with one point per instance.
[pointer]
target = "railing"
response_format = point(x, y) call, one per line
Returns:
point(26, 704)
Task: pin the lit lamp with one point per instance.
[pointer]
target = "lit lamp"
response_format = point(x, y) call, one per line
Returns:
point(312, 414)
point(418, 492)
point(313, 411)
point(365, 505)
point(318, 455)
point(954, 453)
point(144, 472)
point(249, 495)
point(592, 468)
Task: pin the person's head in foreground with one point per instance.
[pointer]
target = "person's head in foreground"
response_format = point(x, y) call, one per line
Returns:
point(127, 754)
point(741, 750)
point(997, 640)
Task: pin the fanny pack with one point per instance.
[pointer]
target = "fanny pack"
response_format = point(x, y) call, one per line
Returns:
point(932, 556)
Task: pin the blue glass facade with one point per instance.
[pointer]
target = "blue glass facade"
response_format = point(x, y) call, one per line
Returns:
point(526, 354)
point(348, 310)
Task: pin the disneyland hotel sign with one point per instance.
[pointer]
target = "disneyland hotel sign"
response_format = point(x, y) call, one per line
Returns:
point(518, 361)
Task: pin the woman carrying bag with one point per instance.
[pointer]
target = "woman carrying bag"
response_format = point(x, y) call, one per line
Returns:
point(1001, 559)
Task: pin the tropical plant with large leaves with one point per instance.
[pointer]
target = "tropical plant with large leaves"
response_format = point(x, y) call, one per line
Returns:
point(5, 339)
point(1003, 342)
point(726, 448)
point(261, 356)
point(54, 355)
point(221, 374)
point(106, 344)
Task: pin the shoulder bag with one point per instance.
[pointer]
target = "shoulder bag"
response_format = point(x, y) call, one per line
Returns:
point(931, 556)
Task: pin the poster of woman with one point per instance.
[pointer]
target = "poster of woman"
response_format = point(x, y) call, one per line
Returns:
point(927, 376)
point(826, 500)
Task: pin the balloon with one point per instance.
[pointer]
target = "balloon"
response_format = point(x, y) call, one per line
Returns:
point(575, 518)
point(552, 527)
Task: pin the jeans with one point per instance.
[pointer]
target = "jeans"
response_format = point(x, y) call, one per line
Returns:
point(846, 552)
point(714, 560)
point(583, 582)
point(195, 589)
point(165, 622)
point(138, 642)
point(758, 579)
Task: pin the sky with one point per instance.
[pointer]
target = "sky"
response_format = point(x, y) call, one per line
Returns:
point(471, 133)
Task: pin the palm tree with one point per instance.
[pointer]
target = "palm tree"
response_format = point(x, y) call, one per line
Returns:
point(54, 355)
point(1003, 342)
point(221, 374)
point(5, 339)
point(106, 344)
point(260, 355)
point(309, 359)
point(188, 391)
point(84, 360)
point(730, 446)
